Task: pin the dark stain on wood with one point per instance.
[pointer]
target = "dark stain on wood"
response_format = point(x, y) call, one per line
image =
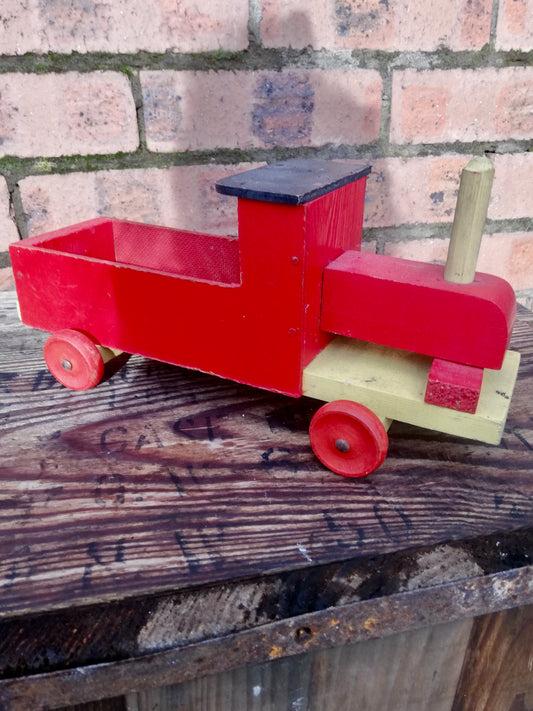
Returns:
point(112, 631)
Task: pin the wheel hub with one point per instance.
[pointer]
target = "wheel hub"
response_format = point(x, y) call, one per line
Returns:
point(342, 446)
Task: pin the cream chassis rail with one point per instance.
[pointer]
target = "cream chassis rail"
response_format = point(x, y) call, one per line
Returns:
point(392, 384)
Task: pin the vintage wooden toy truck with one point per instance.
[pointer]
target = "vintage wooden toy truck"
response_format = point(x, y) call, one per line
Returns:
point(292, 306)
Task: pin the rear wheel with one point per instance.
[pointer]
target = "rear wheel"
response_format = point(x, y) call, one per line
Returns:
point(73, 359)
point(348, 438)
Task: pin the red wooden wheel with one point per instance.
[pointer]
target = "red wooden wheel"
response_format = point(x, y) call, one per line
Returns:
point(73, 359)
point(348, 438)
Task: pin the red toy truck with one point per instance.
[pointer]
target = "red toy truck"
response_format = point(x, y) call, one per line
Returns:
point(292, 306)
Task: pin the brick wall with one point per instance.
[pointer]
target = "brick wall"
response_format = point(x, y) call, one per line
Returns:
point(133, 109)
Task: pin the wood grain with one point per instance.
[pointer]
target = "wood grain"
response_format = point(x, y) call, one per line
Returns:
point(162, 479)
point(413, 671)
point(498, 667)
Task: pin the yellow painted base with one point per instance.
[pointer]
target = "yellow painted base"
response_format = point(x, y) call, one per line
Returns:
point(108, 353)
point(392, 383)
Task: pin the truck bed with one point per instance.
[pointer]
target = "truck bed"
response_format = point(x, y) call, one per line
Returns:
point(189, 254)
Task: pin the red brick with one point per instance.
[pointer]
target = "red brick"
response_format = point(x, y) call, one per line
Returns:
point(514, 109)
point(8, 230)
point(196, 110)
point(123, 26)
point(432, 250)
point(424, 190)
point(512, 196)
point(476, 18)
point(521, 261)
point(413, 190)
point(515, 25)
point(207, 110)
point(66, 114)
point(287, 23)
point(510, 256)
point(182, 197)
point(462, 105)
point(374, 24)
point(507, 255)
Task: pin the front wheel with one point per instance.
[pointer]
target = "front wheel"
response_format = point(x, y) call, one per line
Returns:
point(348, 438)
point(73, 359)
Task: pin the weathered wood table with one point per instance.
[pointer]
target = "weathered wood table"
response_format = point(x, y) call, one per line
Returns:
point(168, 541)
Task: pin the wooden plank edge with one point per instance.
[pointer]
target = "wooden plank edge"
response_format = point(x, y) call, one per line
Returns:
point(326, 629)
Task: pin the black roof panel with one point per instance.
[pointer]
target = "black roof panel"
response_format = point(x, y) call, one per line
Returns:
point(293, 182)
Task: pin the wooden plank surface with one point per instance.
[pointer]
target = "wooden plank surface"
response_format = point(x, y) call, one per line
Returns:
point(163, 479)
point(497, 672)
